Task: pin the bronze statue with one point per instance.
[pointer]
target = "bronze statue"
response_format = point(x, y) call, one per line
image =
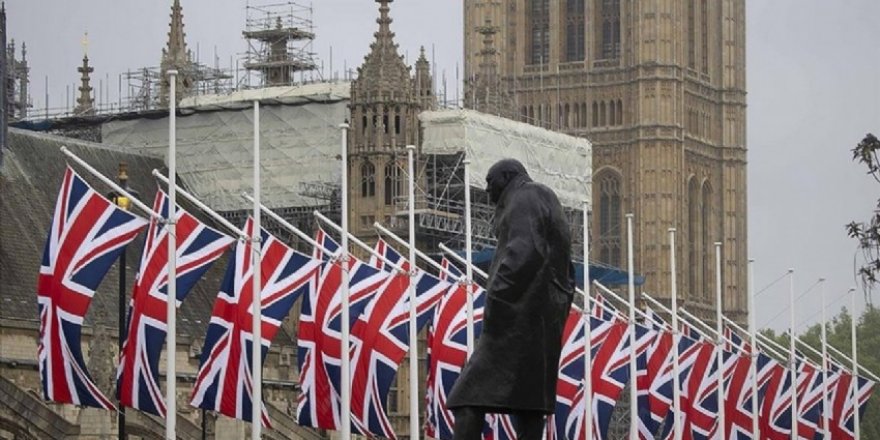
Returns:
point(515, 363)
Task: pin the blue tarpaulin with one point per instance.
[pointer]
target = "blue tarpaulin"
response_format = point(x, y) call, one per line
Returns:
point(603, 273)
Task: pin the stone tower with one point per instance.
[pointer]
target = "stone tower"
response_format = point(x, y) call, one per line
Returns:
point(385, 102)
point(659, 88)
point(176, 57)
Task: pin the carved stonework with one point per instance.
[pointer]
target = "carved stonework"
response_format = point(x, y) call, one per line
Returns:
point(385, 102)
point(175, 56)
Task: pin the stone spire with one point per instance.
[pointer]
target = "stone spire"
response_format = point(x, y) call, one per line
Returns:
point(85, 104)
point(384, 73)
point(424, 82)
point(176, 57)
point(385, 104)
point(485, 89)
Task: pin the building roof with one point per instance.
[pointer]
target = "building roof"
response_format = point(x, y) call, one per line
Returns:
point(29, 181)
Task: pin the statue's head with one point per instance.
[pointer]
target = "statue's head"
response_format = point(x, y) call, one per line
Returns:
point(501, 175)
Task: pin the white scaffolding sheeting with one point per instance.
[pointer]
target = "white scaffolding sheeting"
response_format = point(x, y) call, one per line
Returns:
point(300, 139)
point(560, 161)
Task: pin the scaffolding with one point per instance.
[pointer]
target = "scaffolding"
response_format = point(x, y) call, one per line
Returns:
point(439, 208)
point(279, 40)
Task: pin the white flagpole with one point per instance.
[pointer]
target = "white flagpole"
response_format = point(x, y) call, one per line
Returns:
point(256, 305)
point(793, 356)
point(676, 387)
point(753, 367)
point(855, 368)
point(171, 224)
point(469, 257)
point(825, 407)
point(633, 396)
point(588, 331)
point(719, 328)
point(345, 412)
point(413, 342)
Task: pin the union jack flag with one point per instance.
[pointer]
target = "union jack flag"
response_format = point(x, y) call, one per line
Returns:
point(611, 351)
point(810, 394)
point(775, 397)
point(655, 378)
point(571, 373)
point(691, 354)
point(198, 246)
point(738, 396)
point(223, 383)
point(843, 407)
point(320, 333)
point(447, 352)
point(380, 339)
point(88, 233)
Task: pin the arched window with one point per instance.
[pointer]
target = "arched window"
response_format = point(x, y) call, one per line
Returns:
point(608, 191)
point(368, 180)
point(393, 185)
point(575, 23)
point(397, 126)
point(609, 15)
point(539, 31)
point(577, 115)
point(602, 119)
point(524, 114)
point(584, 114)
point(595, 114)
point(364, 125)
point(692, 32)
point(704, 34)
point(694, 240)
point(566, 115)
point(619, 112)
point(612, 113)
point(708, 244)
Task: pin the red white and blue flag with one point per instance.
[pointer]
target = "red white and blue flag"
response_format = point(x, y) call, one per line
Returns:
point(88, 233)
point(691, 353)
point(447, 351)
point(810, 394)
point(609, 374)
point(843, 406)
point(320, 333)
point(198, 246)
point(700, 394)
point(380, 339)
point(775, 398)
point(655, 379)
point(224, 383)
point(738, 386)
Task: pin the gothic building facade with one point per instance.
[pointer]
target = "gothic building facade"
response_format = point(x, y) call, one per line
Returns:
point(659, 88)
point(386, 99)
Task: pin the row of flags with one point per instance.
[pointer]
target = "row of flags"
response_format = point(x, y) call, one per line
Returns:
point(88, 233)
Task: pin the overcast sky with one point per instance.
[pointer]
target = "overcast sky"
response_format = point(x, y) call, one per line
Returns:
point(813, 84)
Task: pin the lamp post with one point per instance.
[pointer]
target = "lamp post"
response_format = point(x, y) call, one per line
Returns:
point(123, 203)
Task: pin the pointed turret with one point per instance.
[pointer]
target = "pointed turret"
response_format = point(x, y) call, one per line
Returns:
point(385, 104)
point(424, 83)
point(176, 57)
point(85, 104)
point(485, 89)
